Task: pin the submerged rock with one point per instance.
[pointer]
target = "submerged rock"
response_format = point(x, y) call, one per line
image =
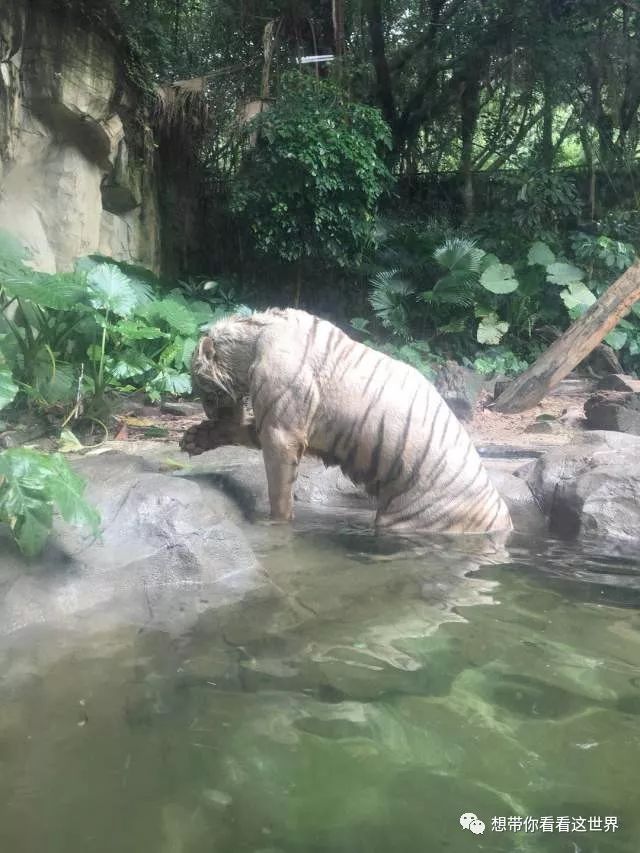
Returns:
point(239, 473)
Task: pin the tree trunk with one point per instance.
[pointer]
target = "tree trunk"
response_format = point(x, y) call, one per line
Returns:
point(384, 84)
point(573, 346)
point(469, 112)
point(269, 44)
point(547, 123)
point(337, 14)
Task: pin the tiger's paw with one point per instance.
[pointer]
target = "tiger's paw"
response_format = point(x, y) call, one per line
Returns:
point(200, 438)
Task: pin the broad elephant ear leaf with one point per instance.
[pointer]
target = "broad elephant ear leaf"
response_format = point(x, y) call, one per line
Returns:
point(617, 338)
point(541, 254)
point(499, 278)
point(577, 296)
point(491, 329)
point(563, 274)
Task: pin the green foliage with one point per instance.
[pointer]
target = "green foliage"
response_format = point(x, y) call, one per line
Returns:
point(499, 278)
point(498, 360)
point(310, 185)
point(416, 353)
point(72, 338)
point(481, 299)
point(491, 329)
point(32, 485)
point(8, 388)
point(602, 252)
point(470, 276)
point(545, 201)
point(389, 300)
point(462, 260)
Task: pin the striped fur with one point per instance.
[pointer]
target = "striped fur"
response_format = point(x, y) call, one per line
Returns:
point(315, 390)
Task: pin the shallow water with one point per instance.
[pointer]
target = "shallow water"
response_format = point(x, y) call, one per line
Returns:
point(364, 704)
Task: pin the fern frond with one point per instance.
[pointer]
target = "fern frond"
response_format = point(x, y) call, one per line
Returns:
point(388, 300)
point(459, 253)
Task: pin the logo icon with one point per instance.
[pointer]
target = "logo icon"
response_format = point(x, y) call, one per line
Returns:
point(472, 822)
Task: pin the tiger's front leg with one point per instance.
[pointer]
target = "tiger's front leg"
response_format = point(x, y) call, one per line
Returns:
point(282, 452)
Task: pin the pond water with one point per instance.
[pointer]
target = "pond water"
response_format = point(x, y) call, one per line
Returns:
point(362, 707)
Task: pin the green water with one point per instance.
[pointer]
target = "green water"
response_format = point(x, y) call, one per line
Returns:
point(361, 708)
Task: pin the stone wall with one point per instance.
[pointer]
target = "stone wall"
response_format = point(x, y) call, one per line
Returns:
point(77, 158)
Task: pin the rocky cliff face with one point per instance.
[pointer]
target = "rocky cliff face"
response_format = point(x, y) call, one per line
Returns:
point(77, 171)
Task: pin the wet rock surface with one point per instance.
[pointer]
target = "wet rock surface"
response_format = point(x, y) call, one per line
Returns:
point(591, 490)
point(169, 549)
point(178, 542)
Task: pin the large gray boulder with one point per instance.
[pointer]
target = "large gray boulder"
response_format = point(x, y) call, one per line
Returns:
point(167, 552)
point(591, 490)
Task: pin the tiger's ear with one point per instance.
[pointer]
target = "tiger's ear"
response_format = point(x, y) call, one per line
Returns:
point(207, 349)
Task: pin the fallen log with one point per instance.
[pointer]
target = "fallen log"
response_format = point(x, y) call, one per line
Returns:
point(573, 346)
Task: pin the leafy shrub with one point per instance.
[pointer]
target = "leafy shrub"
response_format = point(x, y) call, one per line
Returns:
point(32, 484)
point(498, 360)
point(71, 338)
point(310, 185)
point(460, 294)
point(545, 201)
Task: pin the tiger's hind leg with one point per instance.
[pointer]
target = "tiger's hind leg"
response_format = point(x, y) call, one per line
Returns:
point(282, 452)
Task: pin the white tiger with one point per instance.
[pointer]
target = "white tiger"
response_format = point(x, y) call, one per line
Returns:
point(314, 390)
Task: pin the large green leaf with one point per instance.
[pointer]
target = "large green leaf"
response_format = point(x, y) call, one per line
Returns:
point(563, 274)
point(577, 295)
point(137, 329)
point(127, 365)
point(142, 281)
point(31, 528)
point(31, 484)
point(488, 261)
point(499, 278)
point(616, 338)
point(170, 381)
point(491, 329)
point(67, 491)
point(173, 313)
point(8, 388)
point(113, 291)
point(540, 253)
point(12, 257)
point(188, 349)
point(61, 292)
